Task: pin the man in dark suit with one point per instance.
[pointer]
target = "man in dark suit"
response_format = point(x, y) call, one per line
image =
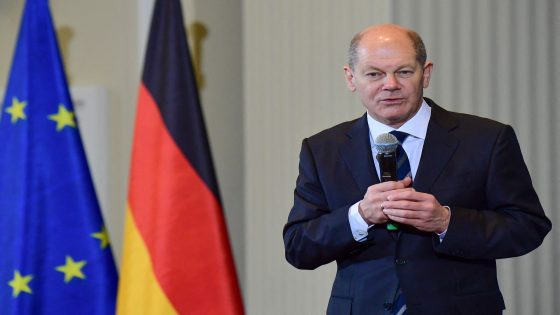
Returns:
point(467, 201)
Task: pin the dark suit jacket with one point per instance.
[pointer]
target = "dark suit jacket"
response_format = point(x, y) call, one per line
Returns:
point(473, 165)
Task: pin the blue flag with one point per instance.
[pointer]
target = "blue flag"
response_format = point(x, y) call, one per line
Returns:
point(55, 254)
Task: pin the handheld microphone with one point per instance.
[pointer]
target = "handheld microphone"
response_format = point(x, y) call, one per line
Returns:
point(386, 145)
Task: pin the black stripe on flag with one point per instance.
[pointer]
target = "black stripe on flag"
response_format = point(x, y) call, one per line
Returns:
point(169, 76)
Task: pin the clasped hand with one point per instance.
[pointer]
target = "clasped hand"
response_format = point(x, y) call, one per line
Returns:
point(398, 202)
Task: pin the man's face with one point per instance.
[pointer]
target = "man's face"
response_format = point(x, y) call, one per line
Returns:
point(388, 78)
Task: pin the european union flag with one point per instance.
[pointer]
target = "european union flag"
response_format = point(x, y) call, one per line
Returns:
point(54, 249)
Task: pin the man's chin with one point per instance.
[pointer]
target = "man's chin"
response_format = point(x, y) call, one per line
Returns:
point(391, 121)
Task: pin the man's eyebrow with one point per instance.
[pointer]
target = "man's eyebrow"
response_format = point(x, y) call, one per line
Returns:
point(400, 67)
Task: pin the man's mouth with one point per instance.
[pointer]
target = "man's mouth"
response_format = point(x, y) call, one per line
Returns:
point(392, 100)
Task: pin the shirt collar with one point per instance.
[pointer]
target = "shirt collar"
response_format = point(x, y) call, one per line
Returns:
point(417, 126)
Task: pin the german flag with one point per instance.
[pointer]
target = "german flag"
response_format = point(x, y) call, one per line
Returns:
point(176, 257)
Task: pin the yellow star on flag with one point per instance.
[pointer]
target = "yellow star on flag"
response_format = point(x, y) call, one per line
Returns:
point(72, 269)
point(17, 110)
point(103, 236)
point(20, 284)
point(63, 118)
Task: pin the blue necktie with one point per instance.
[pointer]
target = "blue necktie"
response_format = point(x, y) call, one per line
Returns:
point(403, 166)
point(403, 170)
point(399, 305)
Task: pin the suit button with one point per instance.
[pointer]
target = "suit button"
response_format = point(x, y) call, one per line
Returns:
point(400, 261)
point(388, 306)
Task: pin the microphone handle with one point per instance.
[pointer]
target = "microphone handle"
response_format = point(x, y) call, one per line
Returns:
point(388, 170)
point(387, 166)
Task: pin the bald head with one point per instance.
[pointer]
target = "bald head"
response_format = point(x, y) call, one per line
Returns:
point(387, 33)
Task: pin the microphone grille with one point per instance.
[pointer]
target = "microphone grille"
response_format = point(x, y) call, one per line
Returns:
point(386, 143)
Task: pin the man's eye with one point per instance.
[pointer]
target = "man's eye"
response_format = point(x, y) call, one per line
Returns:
point(374, 75)
point(405, 73)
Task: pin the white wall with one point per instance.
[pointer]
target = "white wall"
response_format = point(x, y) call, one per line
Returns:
point(294, 52)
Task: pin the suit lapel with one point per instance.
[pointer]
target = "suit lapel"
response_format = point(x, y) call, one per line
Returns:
point(356, 153)
point(438, 148)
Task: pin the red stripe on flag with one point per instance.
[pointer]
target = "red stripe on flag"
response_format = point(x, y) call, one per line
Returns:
point(180, 220)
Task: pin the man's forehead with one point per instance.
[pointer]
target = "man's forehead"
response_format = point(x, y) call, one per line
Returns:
point(390, 40)
point(386, 54)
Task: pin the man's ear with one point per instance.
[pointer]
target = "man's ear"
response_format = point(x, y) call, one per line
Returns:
point(428, 67)
point(349, 75)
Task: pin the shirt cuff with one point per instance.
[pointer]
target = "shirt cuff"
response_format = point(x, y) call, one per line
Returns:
point(358, 225)
point(442, 234)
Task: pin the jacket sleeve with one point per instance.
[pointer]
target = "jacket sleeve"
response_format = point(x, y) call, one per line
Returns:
point(513, 223)
point(315, 234)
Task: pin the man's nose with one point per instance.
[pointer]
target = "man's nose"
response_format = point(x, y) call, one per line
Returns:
point(391, 82)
